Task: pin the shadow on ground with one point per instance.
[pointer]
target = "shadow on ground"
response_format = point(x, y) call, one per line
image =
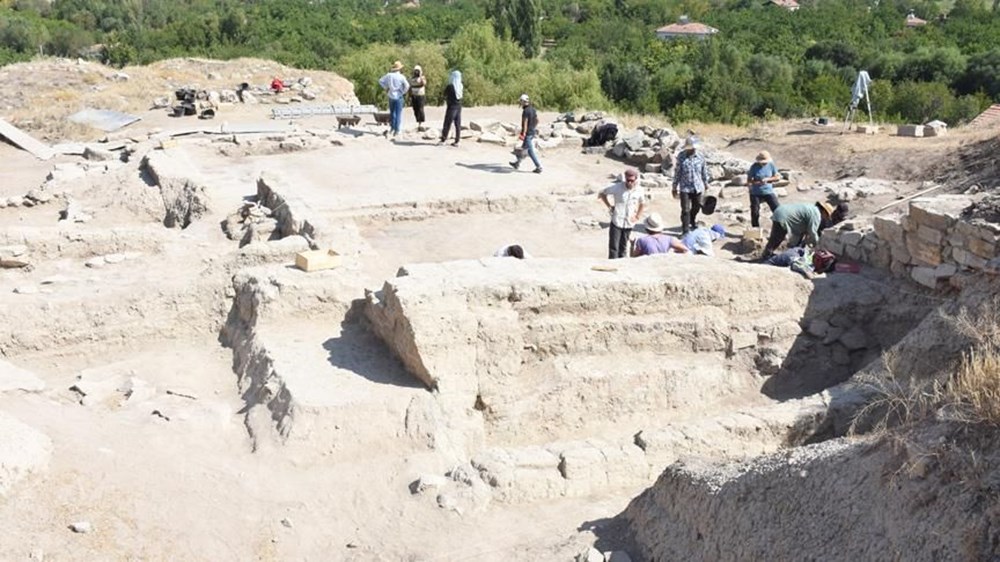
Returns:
point(492, 168)
point(357, 350)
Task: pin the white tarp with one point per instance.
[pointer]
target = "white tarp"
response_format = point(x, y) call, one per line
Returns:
point(860, 89)
point(103, 119)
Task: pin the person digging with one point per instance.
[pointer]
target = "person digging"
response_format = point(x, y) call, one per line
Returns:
point(802, 223)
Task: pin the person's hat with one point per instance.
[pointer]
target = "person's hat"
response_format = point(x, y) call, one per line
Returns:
point(397, 65)
point(631, 173)
point(826, 207)
point(763, 156)
point(690, 142)
point(524, 98)
point(702, 245)
point(654, 223)
point(719, 229)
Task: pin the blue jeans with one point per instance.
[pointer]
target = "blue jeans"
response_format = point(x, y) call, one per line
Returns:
point(529, 145)
point(396, 115)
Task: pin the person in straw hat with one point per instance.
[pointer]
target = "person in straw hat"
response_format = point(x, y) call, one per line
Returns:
point(627, 202)
point(803, 222)
point(395, 86)
point(656, 242)
point(690, 180)
point(760, 176)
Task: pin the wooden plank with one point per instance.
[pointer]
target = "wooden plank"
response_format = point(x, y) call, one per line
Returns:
point(23, 140)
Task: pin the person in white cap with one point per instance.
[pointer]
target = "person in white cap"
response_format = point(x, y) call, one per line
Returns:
point(628, 201)
point(700, 240)
point(395, 86)
point(656, 242)
point(529, 130)
point(760, 176)
point(690, 180)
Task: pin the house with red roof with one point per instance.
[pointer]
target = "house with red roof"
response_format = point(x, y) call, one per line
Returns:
point(685, 29)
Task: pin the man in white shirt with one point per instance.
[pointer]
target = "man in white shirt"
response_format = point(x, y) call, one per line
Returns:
point(628, 201)
point(396, 86)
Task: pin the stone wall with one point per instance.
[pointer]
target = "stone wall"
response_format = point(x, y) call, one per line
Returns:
point(930, 245)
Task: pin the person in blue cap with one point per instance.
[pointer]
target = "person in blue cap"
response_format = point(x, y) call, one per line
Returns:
point(699, 240)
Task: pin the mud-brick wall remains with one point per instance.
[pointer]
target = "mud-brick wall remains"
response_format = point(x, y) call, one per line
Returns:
point(930, 245)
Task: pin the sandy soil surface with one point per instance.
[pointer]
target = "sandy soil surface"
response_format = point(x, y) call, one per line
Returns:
point(172, 475)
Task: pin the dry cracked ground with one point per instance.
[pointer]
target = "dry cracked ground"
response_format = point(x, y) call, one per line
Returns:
point(173, 388)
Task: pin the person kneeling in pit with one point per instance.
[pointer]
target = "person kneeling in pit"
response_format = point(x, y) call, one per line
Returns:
point(803, 222)
point(656, 242)
point(511, 251)
point(804, 261)
point(699, 240)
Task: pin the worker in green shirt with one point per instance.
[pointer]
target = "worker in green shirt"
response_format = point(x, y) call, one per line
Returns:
point(803, 222)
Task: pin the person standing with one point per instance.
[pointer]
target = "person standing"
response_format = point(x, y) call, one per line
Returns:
point(453, 107)
point(418, 95)
point(690, 180)
point(627, 203)
point(395, 86)
point(656, 242)
point(760, 177)
point(529, 130)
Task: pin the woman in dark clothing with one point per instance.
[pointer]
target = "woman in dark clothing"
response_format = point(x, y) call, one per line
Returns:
point(453, 111)
point(418, 89)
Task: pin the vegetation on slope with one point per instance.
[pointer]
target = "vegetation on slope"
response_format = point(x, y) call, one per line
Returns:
point(765, 61)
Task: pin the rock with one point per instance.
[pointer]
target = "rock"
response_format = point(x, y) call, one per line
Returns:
point(590, 555)
point(13, 377)
point(161, 102)
point(818, 327)
point(445, 501)
point(81, 527)
point(483, 125)
point(96, 263)
point(781, 191)
point(592, 116)
point(13, 251)
point(286, 522)
point(99, 154)
point(635, 141)
point(854, 339)
point(492, 138)
point(38, 196)
point(26, 290)
point(617, 556)
point(114, 258)
point(428, 482)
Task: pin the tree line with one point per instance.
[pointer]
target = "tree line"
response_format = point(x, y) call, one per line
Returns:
point(765, 61)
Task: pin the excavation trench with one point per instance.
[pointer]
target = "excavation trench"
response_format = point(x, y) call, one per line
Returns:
point(551, 379)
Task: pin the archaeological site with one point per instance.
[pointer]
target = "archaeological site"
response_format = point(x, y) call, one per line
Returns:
point(268, 332)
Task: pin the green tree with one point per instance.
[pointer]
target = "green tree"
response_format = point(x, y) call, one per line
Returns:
point(519, 20)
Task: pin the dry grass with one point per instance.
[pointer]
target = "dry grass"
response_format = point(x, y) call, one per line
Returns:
point(970, 395)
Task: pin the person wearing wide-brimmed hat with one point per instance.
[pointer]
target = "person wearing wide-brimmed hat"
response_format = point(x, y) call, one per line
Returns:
point(690, 179)
point(802, 223)
point(760, 177)
point(656, 242)
point(700, 240)
point(628, 201)
point(395, 86)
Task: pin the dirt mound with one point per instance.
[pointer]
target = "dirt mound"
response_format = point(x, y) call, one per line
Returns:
point(977, 165)
point(40, 94)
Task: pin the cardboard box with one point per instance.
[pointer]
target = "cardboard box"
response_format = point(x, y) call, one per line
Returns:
point(316, 260)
